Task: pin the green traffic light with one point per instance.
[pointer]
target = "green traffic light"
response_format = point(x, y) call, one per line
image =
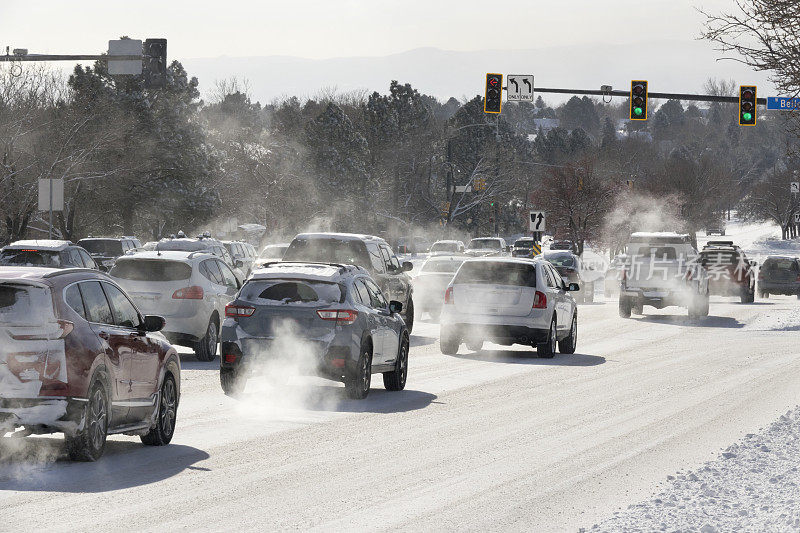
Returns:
point(747, 117)
point(637, 111)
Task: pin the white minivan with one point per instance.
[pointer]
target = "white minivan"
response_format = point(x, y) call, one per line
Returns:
point(189, 289)
point(509, 301)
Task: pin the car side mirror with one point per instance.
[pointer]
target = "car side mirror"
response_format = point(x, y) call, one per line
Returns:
point(407, 266)
point(239, 263)
point(573, 287)
point(153, 323)
point(395, 306)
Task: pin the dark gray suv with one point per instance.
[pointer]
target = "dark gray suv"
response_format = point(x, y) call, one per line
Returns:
point(330, 320)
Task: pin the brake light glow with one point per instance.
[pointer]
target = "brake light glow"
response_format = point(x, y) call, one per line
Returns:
point(539, 300)
point(194, 292)
point(237, 311)
point(341, 316)
point(448, 295)
point(65, 326)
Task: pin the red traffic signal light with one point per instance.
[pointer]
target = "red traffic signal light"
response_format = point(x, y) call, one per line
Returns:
point(638, 100)
point(747, 105)
point(493, 97)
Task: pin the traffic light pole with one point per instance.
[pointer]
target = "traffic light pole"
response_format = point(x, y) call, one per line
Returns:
point(666, 96)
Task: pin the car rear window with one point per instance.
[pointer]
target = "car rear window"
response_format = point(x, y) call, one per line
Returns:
point(561, 260)
point(22, 305)
point(444, 247)
point(477, 244)
point(290, 291)
point(449, 267)
point(30, 258)
point(497, 273)
point(661, 253)
point(151, 270)
point(719, 257)
point(348, 252)
point(108, 247)
point(523, 244)
point(780, 264)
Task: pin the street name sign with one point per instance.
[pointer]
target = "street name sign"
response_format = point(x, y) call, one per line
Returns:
point(782, 103)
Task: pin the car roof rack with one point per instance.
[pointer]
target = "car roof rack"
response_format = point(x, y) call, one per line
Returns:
point(720, 243)
point(74, 270)
point(342, 268)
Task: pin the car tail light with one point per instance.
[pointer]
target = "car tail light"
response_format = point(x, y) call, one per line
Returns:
point(188, 293)
point(65, 326)
point(230, 357)
point(539, 300)
point(448, 295)
point(341, 316)
point(237, 311)
point(337, 362)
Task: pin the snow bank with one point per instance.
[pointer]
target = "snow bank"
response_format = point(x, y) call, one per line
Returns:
point(753, 486)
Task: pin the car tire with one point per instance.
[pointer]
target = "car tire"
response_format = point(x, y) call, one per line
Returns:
point(206, 348)
point(89, 443)
point(357, 384)
point(475, 345)
point(625, 307)
point(448, 342)
point(698, 307)
point(764, 294)
point(547, 349)
point(637, 309)
point(232, 381)
point(396, 380)
point(408, 316)
point(166, 416)
point(569, 343)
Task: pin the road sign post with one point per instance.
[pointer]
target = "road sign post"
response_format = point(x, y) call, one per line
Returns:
point(538, 221)
point(51, 198)
point(519, 87)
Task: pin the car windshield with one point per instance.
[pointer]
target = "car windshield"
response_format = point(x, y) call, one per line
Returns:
point(349, 252)
point(444, 247)
point(151, 270)
point(288, 291)
point(482, 244)
point(560, 260)
point(43, 258)
point(497, 273)
point(445, 265)
point(108, 247)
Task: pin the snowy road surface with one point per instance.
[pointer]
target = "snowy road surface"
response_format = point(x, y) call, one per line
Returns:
point(488, 440)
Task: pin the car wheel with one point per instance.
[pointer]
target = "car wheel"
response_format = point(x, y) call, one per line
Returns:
point(357, 385)
point(90, 442)
point(206, 349)
point(569, 344)
point(396, 380)
point(624, 307)
point(408, 317)
point(166, 416)
point(764, 294)
point(547, 349)
point(448, 342)
point(232, 381)
point(476, 345)
point(637, 309)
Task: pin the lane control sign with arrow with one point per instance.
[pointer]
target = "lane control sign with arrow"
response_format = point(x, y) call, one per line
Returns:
point(519, 87)
point(537, 221)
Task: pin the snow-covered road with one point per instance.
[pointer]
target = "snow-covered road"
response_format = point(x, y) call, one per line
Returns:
point(487, 440)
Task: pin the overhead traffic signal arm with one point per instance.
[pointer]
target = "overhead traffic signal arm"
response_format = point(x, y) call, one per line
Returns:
point(493, 97)
point(747, 105)
point(638, 99)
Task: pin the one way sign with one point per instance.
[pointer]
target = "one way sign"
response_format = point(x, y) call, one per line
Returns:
point(537, 221)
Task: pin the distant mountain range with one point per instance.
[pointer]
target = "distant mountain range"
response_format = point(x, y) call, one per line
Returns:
point(669, 66)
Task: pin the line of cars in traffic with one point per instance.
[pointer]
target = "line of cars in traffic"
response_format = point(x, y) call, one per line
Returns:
point(90, 353)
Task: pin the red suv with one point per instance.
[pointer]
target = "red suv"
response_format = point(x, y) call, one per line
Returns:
point(77, 357)
point(730, 273)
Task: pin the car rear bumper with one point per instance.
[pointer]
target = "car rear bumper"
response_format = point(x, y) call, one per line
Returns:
point(727, 287)
point(789, 288)
point(658, 298)
point(46, 413)
point(179, 329)
point(505, 334)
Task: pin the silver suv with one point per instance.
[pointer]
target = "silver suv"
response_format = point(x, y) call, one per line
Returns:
point(326, 319)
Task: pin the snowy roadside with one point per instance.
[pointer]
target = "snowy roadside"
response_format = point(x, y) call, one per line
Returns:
point(753, 486)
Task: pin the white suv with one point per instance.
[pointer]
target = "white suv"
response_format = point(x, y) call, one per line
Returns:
point(189, 289)
point(509, 301)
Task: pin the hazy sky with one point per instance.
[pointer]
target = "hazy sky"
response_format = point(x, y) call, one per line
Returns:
point(330, 28)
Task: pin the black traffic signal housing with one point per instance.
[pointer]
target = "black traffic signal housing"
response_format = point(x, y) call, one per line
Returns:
point(747, 105)
point(493, 97)
point(154, 63)
point(638, 100)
